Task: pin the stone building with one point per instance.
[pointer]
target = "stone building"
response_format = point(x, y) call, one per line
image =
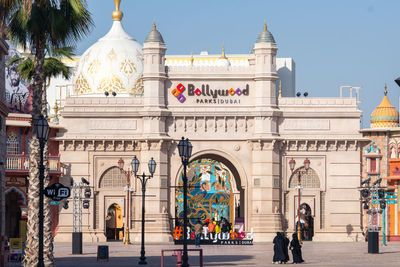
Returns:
point(132, 100)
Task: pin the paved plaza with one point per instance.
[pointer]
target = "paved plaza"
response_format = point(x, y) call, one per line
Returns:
point(314, 253)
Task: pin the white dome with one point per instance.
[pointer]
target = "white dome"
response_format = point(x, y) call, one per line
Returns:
point(114, 64)
point(222, 62)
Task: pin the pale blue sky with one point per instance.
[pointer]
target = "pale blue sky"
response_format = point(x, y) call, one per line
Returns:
point(333, 43)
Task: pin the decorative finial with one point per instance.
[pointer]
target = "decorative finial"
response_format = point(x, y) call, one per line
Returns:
point(280, 88)
point(191, 59)
point(117, 15)
point(223, 52)
point(154, 25)
point(385, 89)
point(265, 25)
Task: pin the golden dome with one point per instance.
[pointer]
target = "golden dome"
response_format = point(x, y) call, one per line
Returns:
point(385, 115)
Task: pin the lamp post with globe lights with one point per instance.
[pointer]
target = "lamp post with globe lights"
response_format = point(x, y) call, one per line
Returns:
point(42, 129)
point(292, 164)
point(185, 152)
point(143, 179)
point(128, 189)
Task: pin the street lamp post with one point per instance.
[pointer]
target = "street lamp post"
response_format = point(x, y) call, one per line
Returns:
point(185, 152)
point(292, 164)
point(42, 130)
point(128, 189)
point(143, 179)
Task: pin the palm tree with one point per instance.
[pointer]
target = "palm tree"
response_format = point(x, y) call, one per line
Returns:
point(36, 23)
point(53, 67)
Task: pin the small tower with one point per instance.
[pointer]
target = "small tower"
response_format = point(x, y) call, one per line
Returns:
point(265, 69)
point(154, 69)
point(385, 115)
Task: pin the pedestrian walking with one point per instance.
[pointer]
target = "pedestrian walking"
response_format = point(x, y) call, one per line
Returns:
point(198, 229)
point(296, 249)
point(279, 255)
point(285, 247)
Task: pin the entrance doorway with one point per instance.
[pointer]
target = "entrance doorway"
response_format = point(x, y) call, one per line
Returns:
point(13, 215)
point(214, 193)
point(307, 222)
point(114, 223)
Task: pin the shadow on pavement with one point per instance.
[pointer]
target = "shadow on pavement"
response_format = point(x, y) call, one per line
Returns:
point(169, 261)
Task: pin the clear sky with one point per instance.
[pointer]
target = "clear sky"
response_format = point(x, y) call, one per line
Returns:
point(333, 43)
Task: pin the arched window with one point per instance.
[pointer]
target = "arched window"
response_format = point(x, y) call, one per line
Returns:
point(113, 178)
point(12, 144)
point(309, 179)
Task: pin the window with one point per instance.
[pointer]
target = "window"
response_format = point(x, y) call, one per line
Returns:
point(113, 178)
point(309, 179)
point(373, 165)
point(13, 144)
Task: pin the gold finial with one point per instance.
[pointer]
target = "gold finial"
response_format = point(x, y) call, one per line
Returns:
point(191, 59)
point(385, 89)
point(117, 15)
point(154, 25)
point(280, 88)
point(223, 52)
point(265, 25)
point(55, 110)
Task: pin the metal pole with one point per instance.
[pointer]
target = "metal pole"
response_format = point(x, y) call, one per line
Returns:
point(298, 209)
point(142, 251)
point(41, 217)
point(185, 260)
point(384, 224)
point(127, 239)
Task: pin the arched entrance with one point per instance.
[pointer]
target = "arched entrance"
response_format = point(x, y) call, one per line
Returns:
point(114, 223)
point(14, 226)
point(214, 192)
point(307, 222)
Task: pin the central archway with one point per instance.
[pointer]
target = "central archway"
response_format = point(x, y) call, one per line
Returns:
point(214, 191)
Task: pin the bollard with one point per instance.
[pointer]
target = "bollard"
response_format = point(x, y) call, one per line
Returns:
point(178, 254)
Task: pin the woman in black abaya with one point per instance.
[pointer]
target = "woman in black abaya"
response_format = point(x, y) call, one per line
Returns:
point(279, 254)
point(296, 249)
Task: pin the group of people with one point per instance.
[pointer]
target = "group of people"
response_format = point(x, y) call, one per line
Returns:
point(222, 226)
point(281, 245)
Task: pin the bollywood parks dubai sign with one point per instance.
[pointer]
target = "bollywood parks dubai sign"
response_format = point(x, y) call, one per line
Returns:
point(232, 238)
point(208, 95)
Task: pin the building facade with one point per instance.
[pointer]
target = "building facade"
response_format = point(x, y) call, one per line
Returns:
point(3, 114)
point(15, 146)
point(381, 160)
point(245, 125)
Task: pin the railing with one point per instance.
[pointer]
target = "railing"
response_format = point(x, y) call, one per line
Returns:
point(20, 162)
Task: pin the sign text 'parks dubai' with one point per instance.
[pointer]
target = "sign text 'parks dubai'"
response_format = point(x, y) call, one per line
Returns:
point(206, 95)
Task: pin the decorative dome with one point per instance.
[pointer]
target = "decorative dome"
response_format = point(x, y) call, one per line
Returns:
point(113, 64)
point(385, 115)
point(265, 36)
point(222, 61)
point(154, 36)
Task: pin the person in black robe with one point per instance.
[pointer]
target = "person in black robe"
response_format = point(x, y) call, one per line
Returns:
point(296, 249)
point(285, 247)
point(279, 255)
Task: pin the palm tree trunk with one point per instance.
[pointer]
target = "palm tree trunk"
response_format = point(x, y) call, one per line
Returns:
point(48, 235)
point(32, 241)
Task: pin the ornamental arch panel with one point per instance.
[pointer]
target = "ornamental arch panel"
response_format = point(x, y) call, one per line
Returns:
point(309, 179)
point(112, 178)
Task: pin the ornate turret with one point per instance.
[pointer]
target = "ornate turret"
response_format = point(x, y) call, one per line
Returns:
point(265, 36)
point(154, 35)
point(385, 115)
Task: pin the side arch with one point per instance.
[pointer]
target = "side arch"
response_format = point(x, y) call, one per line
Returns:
point(19, 192)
